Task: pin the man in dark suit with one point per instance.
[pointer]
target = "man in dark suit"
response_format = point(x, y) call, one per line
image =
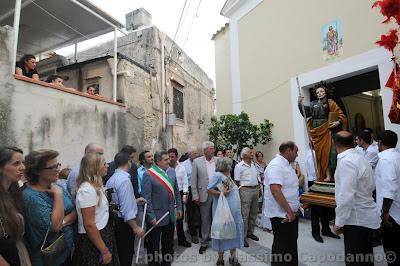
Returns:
point(160, 189)
point(133, 171)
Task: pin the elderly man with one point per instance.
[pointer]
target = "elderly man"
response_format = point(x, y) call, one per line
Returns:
point(193, 211)
point(282, 198)
point(355, 209)
point(160, 189)
point(387, 177)
point(71, 180)
point(246, 175)
point(202, 172)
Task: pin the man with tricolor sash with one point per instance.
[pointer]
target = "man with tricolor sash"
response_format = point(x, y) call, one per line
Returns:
point(160, 189)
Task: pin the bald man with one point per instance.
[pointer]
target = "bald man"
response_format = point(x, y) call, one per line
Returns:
point(71, 180)
point(356, 214)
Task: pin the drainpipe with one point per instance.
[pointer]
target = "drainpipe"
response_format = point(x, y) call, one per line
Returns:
point(114, 94)
point(17, 15)
point(163, 87)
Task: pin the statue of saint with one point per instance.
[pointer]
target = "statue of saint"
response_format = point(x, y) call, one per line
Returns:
point(324, 118)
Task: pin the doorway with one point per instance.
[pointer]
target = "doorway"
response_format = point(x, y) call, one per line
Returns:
point(360, 98)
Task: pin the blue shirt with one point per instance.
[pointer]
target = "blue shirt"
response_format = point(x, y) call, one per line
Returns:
point(188, 167)
point(124, 195)
point(71, 180)
point(38, 207)
point(140, 172)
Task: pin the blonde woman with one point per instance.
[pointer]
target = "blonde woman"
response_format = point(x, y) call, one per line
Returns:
point(95, 242)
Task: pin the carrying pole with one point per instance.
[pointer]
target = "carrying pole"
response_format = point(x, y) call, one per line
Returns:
point(308, 130)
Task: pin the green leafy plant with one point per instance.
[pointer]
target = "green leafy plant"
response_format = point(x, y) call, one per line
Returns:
point(237, 131)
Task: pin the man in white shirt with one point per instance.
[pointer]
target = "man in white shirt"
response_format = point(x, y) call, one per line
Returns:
point(282, 198)
point(182, 180)
point(369, 150)
point(387, 177)
point(355, 209)
point(246, 174)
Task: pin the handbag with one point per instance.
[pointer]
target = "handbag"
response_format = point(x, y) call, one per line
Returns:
point(51, 250)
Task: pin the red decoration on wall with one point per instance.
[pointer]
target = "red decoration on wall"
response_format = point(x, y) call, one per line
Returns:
point(394, 113)
point(391, 82)
point(389, 9)
point(389, 41)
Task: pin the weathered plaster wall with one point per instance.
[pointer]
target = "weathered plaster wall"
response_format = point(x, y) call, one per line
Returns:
point(35, 117)
point(142, 89)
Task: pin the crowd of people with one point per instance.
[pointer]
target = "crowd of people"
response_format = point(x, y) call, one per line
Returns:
point(97, 212)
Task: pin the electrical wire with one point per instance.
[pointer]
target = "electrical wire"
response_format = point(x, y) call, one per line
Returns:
point(180, 19)
point(263, 93)
point(191, 24)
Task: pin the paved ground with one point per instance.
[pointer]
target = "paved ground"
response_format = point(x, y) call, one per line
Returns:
point(331, 252)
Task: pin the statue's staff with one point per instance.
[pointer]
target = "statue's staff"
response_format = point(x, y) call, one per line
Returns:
point(140, 239)
point(308, 130)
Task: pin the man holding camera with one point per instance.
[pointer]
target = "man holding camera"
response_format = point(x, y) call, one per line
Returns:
point(124, 197)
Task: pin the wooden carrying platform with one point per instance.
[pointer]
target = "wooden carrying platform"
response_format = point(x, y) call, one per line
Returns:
point(319, 199)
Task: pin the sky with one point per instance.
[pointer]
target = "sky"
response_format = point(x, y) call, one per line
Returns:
point(200, 20)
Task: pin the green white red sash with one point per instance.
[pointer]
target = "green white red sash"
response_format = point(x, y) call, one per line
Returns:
point(165, 181)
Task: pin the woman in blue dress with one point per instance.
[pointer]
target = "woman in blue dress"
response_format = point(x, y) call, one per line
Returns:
point(222, 182)
point(47, 205)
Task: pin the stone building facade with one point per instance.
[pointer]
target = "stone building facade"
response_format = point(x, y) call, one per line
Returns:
point(164, 99)
point(176, 106)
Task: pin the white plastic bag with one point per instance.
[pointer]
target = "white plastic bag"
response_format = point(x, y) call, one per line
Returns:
point(223, 225)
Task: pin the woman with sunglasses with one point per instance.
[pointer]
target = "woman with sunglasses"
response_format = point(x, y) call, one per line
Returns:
point(47, 206)
point(12, 249)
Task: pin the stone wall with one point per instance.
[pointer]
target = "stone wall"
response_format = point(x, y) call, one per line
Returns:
point(142, 89)
point(35, 117)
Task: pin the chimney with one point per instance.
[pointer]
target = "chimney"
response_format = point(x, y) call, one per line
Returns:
point(137, 19)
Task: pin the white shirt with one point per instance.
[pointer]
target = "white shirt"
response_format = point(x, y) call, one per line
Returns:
point(86, 197)
point(387, 178)
point(210, 166)
point(188, 167)
point(371, 154)
point(182, 177)
point(246, 174)
point(310, 166)
point(280, 172)
point(354, 184)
